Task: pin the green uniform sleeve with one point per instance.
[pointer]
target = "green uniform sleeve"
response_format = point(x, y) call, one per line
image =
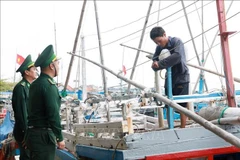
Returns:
point(19, 103)
point(52, 101)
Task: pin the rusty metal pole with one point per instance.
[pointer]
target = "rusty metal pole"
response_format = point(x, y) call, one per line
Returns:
point(226, 54)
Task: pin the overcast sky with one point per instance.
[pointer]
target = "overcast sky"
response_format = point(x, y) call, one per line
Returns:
point(28, 27)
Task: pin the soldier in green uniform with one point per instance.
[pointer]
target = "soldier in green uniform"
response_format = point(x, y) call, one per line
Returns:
point(19, 103)
point(44, 123)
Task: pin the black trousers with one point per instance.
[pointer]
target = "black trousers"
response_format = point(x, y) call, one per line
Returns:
point(180, 89)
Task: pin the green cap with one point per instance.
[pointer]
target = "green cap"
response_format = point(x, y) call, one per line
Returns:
point(27, 63)
point(46, 57)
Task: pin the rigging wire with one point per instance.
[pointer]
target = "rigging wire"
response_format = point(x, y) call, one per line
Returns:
point(205, 32)
point(224, 90)
point(134, 21)
point(141, 29)
point(214, 45)
point(204, 36)
point(189, 41)
point(212, 27)
point(185, 43)
point(172, 20)
point(220, 78)
point(189, 59)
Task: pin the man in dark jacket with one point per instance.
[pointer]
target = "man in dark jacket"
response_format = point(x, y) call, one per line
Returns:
point(19, 103)
point(177, 62)
point(44, 123)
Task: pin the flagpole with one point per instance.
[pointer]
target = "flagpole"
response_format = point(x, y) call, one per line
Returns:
point(55, 36)
point(14, 77)
point(122, 69)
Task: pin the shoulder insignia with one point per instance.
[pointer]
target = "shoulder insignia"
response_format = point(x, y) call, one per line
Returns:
point(51, 81)
point(23, 84)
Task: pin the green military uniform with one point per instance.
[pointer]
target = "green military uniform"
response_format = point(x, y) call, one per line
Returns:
point(44, 120)
point(19, 104)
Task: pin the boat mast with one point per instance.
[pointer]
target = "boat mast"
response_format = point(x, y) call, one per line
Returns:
point(140, 43)
point(102, 62)
point(100, 50)
point(74, 48)
point(157, 82)
point(84, 81)
point(77, 80)
point(201, 79)
point(226, 54)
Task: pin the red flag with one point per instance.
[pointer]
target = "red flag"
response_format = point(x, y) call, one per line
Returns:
point(20, 59)
point(124, 70)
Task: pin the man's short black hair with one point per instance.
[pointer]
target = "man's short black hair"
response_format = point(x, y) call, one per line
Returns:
point(156, 32)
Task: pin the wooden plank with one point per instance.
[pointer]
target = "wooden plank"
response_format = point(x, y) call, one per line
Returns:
point(96, 131)
point(70, 140)
point(152, 119)
point(151, 125)
point(99, 125)
point(101, 142)
point(95, 128)
point(69, 136)
point(139, 118)
point(116, 113)
point(70, 146)
point(137, 127)
point(112, 109)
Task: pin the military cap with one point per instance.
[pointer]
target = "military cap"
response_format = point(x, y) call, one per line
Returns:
point(27, 63)
point(46, 57)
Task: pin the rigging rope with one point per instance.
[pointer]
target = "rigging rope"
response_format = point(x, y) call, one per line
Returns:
point(140, 29)
point(214, 45)
point(135, 20)
point(201, 22)
point(184, 43)
point(170, 21)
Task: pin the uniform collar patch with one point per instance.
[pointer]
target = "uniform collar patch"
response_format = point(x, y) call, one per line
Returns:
point(23, 84)
point(51, 81)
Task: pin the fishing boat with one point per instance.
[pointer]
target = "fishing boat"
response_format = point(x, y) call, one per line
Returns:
point(133, 135)
point(207, 139)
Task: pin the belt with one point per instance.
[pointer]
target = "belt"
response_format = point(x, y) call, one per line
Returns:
point(39, 128)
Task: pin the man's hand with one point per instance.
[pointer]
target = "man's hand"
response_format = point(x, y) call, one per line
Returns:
point(155, 64)
point(61, 145)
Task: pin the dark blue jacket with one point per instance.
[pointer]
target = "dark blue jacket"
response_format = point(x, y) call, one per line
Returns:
point(177, 60)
